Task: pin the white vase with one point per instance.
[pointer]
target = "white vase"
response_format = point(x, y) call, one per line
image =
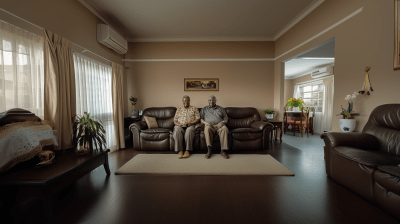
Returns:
point(347, 125)
point(269, 117)
point(296, 109)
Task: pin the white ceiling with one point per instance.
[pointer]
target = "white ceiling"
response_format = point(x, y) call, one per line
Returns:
point(320, 56)
point(201, 20)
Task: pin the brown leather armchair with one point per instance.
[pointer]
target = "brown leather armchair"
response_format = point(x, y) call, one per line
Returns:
point(155, 139)
point(246, 130)
point(367, 162)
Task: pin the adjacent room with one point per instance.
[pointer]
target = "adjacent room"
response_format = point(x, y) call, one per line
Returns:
point(199, 111)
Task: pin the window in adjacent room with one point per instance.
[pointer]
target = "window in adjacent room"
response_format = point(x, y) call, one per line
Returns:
point(93, 92)
point(313, 95)
point(21, 70)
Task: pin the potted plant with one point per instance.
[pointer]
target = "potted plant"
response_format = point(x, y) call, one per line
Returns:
point(269, 114)
point(295, 104)
point(133, 100)
point(347, 124)
point(88, 133)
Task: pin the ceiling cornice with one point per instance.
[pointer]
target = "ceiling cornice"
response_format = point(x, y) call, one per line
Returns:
point(184, 39)
point(102, 17)
point(298, 18)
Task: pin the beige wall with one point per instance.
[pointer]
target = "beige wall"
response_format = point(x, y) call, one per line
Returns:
point(67, 18)
point(160, 84)
point(364, 40)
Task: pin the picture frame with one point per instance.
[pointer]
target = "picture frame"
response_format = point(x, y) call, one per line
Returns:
point(201, 84)
point(396, 58)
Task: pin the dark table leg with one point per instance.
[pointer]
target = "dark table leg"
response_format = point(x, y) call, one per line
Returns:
point(281, 133)
point(106, 166)
point(47, 204)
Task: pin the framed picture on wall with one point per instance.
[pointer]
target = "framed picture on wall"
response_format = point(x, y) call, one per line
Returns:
point(206, 84)
point(396, 36)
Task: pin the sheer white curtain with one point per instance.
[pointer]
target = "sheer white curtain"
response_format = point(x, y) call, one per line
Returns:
point(93, 93)
point(326, 123)
point(21, 69)
point(296, 92)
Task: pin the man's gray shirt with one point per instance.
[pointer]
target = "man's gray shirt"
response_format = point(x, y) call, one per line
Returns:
point(213, 115)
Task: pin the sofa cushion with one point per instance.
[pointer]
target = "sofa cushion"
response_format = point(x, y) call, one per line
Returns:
point(393, 170)
point(366, 157)
point(156, 130)
point(240, 130)
point(388, 180)
point(154, 136)
point(241, 117)
point(245, 136)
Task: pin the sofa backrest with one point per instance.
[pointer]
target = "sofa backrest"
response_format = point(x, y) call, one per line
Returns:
point(164, 116)
point(241, 117)
point(384, 124)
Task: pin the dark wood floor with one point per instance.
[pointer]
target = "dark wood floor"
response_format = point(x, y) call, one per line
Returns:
point(307, 197)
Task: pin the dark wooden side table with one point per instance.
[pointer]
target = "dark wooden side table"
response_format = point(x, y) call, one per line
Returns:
point(46, 181)
point(127, 133)
point(277, 125)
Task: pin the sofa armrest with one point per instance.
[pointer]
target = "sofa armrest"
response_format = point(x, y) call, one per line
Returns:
point(356, 140)
point(140, 125)
point(261, 125)
point(135, 128)
point(199, 127)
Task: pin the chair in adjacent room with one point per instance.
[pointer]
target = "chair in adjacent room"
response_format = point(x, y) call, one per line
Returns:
point(303, 122)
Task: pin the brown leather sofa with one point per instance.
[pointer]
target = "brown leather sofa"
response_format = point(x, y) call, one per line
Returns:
point(367, 162)
point(246, 131)
point(155, 139)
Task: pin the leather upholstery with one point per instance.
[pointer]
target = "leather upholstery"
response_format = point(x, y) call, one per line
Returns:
point(384, 124)
point(246, 131)
point(367, 162)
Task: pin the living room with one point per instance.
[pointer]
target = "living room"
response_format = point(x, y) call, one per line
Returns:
point(245, 45)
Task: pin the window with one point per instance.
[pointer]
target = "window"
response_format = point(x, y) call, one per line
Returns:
point(93, 92)
point(21, 70)
point(313, 95)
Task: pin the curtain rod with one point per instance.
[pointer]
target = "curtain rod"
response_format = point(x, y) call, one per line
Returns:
point(43, 29)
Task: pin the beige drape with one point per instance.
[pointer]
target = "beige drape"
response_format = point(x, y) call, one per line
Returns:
point(118, 104)
point(59, 86)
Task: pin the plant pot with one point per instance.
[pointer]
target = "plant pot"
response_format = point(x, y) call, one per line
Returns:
point(134, 114)
point(269, 117)
point(347, 125)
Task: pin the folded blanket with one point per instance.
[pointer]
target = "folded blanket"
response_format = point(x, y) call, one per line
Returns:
point(22, 141)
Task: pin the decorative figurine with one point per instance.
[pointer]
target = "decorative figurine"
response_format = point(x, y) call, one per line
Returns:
point(367, 83)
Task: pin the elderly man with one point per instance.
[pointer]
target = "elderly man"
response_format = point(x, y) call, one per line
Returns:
point(185, 119)
point(214, 118)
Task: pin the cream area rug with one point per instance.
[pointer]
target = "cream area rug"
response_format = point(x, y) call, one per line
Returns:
point(196, 164)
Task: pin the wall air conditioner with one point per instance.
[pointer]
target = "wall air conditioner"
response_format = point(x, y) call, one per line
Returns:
point(322, 72)
point(111, 39)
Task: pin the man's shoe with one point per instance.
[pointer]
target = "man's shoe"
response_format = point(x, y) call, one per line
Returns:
point(180, 154)
point(208, 155)
point(224, 155)
point(186, 155)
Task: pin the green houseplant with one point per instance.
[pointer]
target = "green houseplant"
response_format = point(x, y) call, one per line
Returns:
point(347, 124)
point(269, 114)
point(88, 133)
point(293, 102)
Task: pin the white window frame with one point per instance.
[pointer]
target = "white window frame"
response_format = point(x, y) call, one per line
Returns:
point(319, 100)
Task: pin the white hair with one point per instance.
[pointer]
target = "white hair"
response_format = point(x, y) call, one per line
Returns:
point(212, 96)
point(185, 96)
